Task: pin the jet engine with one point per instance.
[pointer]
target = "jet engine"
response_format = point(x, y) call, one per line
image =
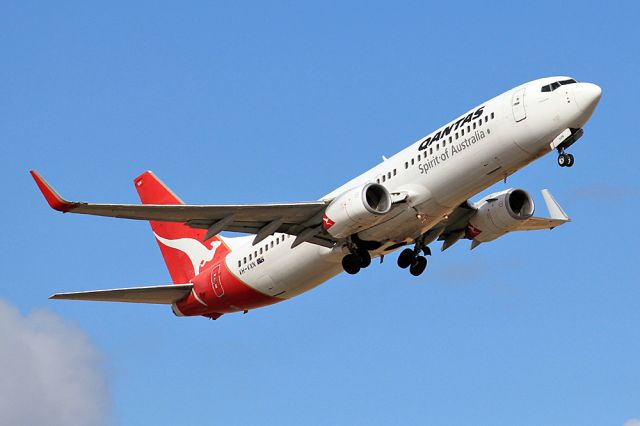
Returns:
point(500, 213)
point(357, 209)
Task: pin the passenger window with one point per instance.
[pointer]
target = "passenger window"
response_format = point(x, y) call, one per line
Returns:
point(418, 157)
point(456, 135)
point(250, 257)
point(412, 161)
point(468, 129)
point(486, 118)
point(406, 165)
point(271, 244)
point(462, 132)
point(260, 250)
point(450, 139)
point(437, 147)
point(431, 151)
point(389, 175)
point(394, 172)
point(239, 263)
point(244, 259)
point(474, 126)
point(492, 115)
point(383, 178)
point(444, 143)
point(480, 123)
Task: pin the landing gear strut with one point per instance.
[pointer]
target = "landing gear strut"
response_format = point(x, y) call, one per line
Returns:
point(564, 159)
point(411, 258)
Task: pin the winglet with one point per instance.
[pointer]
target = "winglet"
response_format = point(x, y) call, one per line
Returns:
point(555, 211)
point(53, 198)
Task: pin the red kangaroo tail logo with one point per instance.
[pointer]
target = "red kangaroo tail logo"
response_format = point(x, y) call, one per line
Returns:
point(182, 247)
point(198, 254)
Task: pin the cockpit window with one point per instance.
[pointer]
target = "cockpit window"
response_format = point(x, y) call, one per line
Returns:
point(553, 86)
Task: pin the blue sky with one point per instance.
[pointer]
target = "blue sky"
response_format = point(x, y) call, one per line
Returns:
point(256, 102)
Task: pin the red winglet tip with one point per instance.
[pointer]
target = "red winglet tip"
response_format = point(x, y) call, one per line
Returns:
point(55, 201)
point(138, 180)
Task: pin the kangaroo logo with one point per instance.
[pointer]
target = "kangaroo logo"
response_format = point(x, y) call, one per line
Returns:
point(197, 252)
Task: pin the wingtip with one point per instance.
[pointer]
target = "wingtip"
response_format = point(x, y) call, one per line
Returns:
point(54, 199)
point(554, 208)
point(138, 179)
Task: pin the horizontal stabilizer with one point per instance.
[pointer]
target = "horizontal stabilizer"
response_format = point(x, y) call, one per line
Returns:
point(161, 294)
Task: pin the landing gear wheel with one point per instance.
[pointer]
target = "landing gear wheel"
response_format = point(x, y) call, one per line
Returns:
point(351, 263)
point(563, 160)
point(365, 258)
point(406, 258)
point(418, 266)
point(570, 160)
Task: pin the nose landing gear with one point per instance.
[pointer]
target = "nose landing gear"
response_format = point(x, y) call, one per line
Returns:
point(564, 159)
point(411, 258)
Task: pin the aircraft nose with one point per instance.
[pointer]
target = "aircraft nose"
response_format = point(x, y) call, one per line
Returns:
point(587, 96)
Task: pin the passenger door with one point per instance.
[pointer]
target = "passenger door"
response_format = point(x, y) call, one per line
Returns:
point(517, 103)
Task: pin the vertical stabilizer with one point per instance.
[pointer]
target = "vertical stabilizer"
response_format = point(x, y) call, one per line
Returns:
point(182, 248)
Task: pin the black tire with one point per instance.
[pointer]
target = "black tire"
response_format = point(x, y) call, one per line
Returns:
point(570, 160)
point(365, 258)
point(563, 160)
point(351, 264)
point(418, 267)
point(406, 258)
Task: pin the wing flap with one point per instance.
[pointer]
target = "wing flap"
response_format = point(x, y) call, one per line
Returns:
point(161, 294)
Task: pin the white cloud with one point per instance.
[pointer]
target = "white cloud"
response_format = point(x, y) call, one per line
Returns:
point(49, 372)
point(632, 422)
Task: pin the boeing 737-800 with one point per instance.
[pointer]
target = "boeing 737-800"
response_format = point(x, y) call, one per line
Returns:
point(409, 200)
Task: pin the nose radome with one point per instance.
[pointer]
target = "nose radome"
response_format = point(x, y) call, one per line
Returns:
point(587, 96)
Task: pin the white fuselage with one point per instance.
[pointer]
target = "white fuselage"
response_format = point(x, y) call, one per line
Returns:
point(514, 129)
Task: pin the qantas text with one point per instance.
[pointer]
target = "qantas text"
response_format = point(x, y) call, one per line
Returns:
point(451, 128)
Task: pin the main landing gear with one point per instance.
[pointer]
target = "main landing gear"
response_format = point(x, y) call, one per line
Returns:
point(356, 260)
point(564, 159)
point(411, 258)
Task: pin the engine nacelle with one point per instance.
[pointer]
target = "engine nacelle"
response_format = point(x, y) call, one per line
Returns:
point(357, 209)
point(500, 213)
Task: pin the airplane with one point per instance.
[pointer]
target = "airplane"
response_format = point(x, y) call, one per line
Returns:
point(410, 200)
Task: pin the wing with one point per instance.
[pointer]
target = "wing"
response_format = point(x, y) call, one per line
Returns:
point(557, 216)
point(161, 294)
point(303, 220)
point(453, 228)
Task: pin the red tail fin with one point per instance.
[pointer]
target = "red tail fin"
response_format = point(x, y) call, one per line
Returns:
point(182, 248)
